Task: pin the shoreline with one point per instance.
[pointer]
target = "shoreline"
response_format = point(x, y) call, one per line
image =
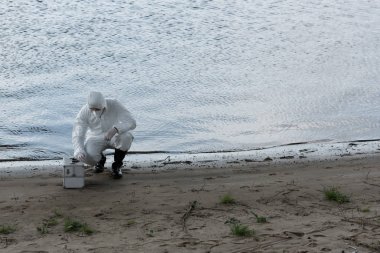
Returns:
point(180, 210)
point(161, 161)
point(374, 143)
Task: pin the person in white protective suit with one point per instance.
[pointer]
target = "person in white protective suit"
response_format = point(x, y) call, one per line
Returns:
point(102, 124)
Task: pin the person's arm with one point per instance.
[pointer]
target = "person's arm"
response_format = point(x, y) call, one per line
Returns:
point(125, 120)
point(79, 131)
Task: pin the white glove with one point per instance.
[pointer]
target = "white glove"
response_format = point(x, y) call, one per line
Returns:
point(110, 133)
point(81, 156)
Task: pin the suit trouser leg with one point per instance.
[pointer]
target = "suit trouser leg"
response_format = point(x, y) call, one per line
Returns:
point(122, 141)
point(94, 146)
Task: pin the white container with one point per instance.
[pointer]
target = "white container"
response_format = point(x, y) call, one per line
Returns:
point(73, 174)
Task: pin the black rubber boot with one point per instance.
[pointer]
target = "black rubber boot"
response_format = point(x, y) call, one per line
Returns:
point(99, 167)
point(118, 163)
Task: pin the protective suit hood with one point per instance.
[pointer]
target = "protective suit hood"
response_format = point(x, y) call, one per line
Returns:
point(96, 100)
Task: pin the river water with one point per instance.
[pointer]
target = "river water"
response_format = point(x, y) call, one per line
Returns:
point(197, 75)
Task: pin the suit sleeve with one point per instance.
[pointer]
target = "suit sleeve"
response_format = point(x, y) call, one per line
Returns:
point(126, 122)
point(79, 131)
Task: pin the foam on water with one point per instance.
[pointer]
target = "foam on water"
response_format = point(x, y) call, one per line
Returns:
point(197, 75)
point(162, 161)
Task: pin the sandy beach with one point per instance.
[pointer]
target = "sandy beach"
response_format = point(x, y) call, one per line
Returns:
point(183, 211)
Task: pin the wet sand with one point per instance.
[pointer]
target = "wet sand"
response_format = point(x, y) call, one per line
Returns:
point(181, 210)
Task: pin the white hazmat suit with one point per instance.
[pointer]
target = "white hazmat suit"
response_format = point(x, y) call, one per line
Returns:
point(101, 124)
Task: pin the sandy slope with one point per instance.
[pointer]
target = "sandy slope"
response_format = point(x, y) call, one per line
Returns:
point(152, 212)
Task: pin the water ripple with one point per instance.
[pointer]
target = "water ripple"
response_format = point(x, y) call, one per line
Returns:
point(197, 75)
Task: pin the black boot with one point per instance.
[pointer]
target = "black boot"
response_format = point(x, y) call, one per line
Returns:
point(118, 163)
point(99, 167)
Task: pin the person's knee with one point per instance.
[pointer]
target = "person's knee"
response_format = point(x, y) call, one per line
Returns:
point(92, 157)
point(89, 160)
point(124, 141)
point(93, 150)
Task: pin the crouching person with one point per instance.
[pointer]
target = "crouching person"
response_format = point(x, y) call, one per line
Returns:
point(102, 124)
